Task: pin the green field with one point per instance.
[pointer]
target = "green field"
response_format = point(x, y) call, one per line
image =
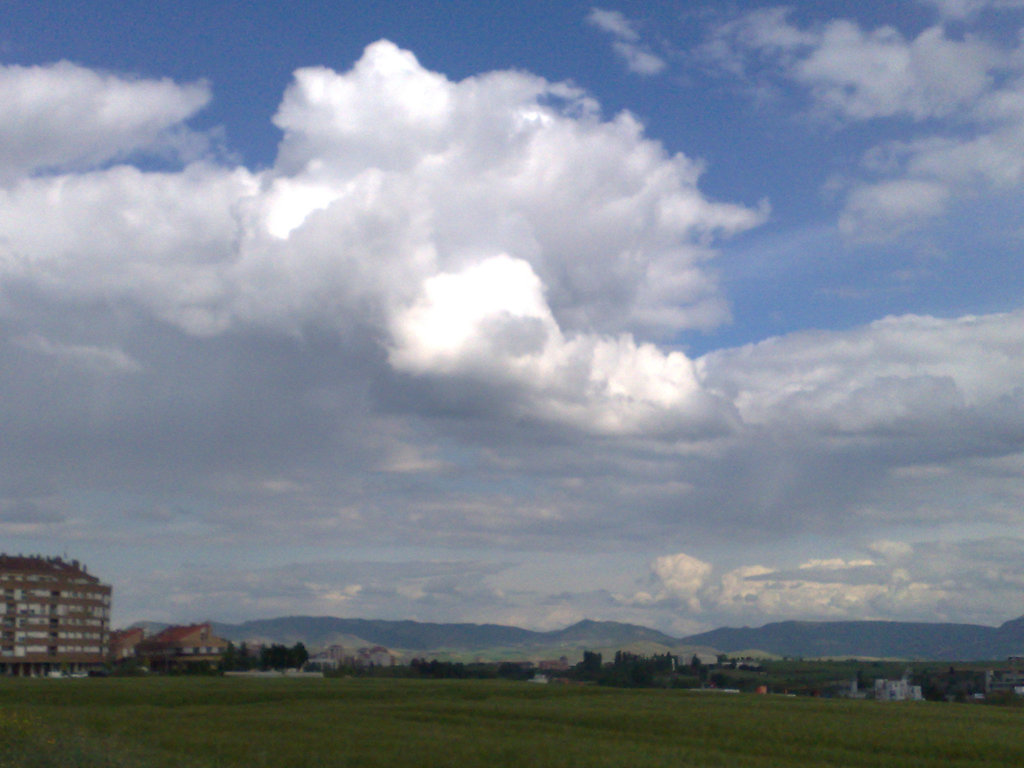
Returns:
point(190, 721)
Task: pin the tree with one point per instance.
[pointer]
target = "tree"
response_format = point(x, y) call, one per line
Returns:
point(298, 655)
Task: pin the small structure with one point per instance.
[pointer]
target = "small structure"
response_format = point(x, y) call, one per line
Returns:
point(1006, 680)
point(897, 690)
point(330, 658)
point(375, 656)
point(554, 665)
point(123, 643)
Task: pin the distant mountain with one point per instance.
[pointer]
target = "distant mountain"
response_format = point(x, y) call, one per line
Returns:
point(808, 639)
point(453, 639)
point(597, 634)
point(891, 639)
point(323, 630)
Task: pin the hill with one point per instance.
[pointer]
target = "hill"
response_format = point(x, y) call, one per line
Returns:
point(883, 639)
point(807, 639)
point(486, 641)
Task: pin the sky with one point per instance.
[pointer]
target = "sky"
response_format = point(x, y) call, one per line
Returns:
point(686, 314)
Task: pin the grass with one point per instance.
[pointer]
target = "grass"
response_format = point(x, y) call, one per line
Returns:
point(206, 722)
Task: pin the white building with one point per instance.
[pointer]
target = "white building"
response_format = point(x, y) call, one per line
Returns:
point(897, 690)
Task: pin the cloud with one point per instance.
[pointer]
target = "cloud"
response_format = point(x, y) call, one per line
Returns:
point(910, 372)
point(63, 116)
point(491, 322)
point(968, 580)
point(397, 196)
point(627, 42)
point(407, 590)
point(682, 577)
point(859, 74)
point(449, 316)
point(967, 84)
point(965, 9)
point(90, 357)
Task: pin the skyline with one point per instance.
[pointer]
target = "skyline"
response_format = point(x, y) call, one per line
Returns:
point(658, 313)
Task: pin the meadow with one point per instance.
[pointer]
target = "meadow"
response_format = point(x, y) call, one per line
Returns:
point(212, 721)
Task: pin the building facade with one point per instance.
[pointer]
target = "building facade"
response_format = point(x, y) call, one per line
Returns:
point(54, 616)
point(182, 648)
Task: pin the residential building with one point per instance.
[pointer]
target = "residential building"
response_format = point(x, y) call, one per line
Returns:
point(182, 647)
point(1008, 679)
point(375, 656)
point(330, 658)
point(123, 643)
point(54, 616)
point(897, 690)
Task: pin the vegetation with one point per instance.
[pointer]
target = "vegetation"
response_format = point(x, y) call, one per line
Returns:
point(207, 722)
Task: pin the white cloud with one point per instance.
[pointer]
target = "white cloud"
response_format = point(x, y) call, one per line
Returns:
point(965, 9)
point(88, 356)
point(490, 321)
point(445, 315)
point(882, 209)
point(627, 41)
point(64, 116)
point(614, 23)
point(967, 84)
point(639, 60)
point(496, 225)
point(913, 373)
point(166, 239)
point(682, 577)
point(971, 580)
point(863, 75)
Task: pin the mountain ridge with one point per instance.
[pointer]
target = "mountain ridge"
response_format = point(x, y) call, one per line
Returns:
point(810, 639)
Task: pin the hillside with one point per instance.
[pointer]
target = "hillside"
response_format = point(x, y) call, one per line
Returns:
point(808, 639)
point(891, 639)
point(452, 640)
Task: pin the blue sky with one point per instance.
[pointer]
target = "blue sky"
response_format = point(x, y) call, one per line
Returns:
point(683, 314)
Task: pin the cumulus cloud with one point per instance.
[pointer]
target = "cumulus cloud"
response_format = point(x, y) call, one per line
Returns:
point(627, 42)
point(494, 223)
point(969, 580)
point(900, 373)
point(491, 321)
point(64, 116)
point(683, 577)
point(853, 74)
point(445, 316)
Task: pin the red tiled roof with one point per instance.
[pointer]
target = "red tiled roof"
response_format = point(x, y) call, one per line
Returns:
point(48, 565)
point(126, 635)
point(177, 634)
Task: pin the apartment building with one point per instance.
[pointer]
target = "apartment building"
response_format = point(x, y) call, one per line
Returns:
point(54, 616)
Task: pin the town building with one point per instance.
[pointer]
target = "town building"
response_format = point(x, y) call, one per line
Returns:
point(897, 690)
point(54, 616)
point(123, 643)
point(1007, 680)
point(330, 658)
point(181, 648)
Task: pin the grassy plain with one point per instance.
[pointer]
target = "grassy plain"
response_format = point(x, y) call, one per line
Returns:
point(204, 722)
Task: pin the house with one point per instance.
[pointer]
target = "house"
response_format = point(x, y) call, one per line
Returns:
point(331, 657)
point(897, 690)
point(554, 665)
point(1006, 680)
point(123, 643)
point(181, 648)
point(375, 656)
point(54, 616)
